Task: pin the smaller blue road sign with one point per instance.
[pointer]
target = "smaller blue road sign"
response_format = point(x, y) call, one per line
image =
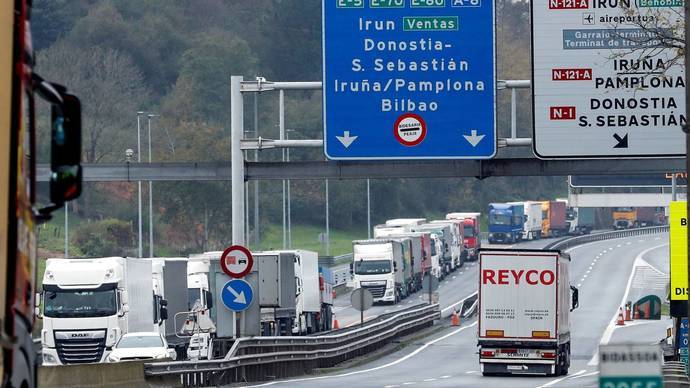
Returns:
point(237, 295)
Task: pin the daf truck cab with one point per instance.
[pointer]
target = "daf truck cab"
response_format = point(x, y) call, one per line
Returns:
point(88, 304)
point(378, 266)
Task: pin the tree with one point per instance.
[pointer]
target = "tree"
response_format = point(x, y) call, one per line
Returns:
point(111, 88)
point(109, 237)
point(202, 91)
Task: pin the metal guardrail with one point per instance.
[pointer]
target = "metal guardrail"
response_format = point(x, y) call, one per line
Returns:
point(467, 306)
point(675, 375)
point(570, 242)
point(262, 358)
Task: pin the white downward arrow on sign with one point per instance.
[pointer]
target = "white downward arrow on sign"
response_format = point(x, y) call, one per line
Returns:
point(473, 139)
point(239, 297)
point(346, 139)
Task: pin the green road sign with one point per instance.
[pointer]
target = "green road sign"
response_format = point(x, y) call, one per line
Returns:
point(630, 366)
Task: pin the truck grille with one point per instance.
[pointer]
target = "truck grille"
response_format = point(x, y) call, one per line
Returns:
point(80, 350)
point(376, 291)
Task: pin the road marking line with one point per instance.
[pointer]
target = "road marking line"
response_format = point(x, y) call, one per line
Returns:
point(471, 372)
point(392, 363)
point(445, 377)
point(596, 372)
point(590, 268)
point(429, 380)
point(391, 386)
point(585, 275)
point(410, 383)
point(618, 246)
point(552, 382)
point(608, 333)
point(454, 277)
point(579, 284)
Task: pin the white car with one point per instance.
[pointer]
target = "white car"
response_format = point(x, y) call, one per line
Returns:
point(141, 346)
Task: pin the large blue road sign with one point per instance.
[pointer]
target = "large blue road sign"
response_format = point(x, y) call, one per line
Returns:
point(237, 295)
point(409, 79)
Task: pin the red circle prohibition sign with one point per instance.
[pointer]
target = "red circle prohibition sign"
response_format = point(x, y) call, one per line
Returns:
point(224, 264)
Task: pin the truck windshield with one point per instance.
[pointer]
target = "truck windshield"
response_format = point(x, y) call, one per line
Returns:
point(364, 267)
point(499, 219)
point(193, 297)
point(468, 231)
point(59, 303)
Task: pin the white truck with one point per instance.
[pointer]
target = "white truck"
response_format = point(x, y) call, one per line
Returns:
point(458, 248)
point(525, 300)
point(313, 292)
point(442, 233)
point(533, 217)
point(386, 230)
point(405, 222)
point(198, 323)
point(88, 304)
point(378, 266)
point(314, 299)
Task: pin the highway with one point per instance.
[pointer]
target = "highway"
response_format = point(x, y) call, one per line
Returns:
point(455, 287)
point(607, 273)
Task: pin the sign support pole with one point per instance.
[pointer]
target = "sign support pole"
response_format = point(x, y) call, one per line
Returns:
point(237, 159)
point(361, 312)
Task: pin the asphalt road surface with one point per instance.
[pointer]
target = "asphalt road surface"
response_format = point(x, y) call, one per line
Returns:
point(603, 271)
point(455, 287)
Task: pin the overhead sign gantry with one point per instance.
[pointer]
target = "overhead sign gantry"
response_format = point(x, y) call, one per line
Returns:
point(607, 81)
point(409, 79)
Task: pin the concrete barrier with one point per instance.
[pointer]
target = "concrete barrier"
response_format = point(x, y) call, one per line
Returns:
point(122, 374)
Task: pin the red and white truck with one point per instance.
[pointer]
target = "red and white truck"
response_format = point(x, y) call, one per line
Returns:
point(525, 300)
point(471, 231)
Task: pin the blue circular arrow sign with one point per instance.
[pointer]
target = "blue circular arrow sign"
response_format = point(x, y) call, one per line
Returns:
point(237, 295)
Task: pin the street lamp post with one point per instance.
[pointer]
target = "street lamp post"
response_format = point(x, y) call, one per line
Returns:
point(140, 248)
point(149, 116)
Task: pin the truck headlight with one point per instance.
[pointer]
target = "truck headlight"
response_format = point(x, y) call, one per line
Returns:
point(113, 335)
point(491, 235)
point(49, 359)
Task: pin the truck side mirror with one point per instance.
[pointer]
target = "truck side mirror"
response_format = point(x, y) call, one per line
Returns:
point(38, 299)
point(164, 314)
point(65, 155)
point(395, 266)
point(575, 298)
point(164, 302)
point(37, 312)
point(352, 270)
